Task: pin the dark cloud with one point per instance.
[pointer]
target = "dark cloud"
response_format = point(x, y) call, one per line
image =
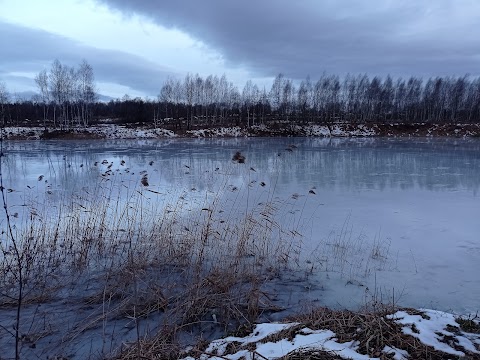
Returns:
point(338, 36)
point(25, 50)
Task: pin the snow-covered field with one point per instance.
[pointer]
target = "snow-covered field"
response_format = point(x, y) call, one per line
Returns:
point(106, 131)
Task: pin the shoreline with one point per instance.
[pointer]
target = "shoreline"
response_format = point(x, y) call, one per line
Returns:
point(342, 130)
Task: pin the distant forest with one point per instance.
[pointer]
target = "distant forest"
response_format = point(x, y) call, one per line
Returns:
point(67, 98)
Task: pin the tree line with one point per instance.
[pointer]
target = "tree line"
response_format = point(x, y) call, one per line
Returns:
point(67, 98)
point(64, 99)
point(355, 99)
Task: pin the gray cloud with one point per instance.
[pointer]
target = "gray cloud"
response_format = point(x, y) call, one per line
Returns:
point(425, 38)
point(27, 50)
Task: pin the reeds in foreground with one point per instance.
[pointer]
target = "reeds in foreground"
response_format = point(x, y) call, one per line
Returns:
point(123, 267)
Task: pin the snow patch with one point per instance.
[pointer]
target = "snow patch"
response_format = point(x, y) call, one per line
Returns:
point(398, 354)
point(235, 131)
point(305, 340)
point(30, 133)
point(433, 330)
point(261, 331)
point(111, 131)
point(317, 130)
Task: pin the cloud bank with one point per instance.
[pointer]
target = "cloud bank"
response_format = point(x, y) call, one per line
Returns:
point(432, 37)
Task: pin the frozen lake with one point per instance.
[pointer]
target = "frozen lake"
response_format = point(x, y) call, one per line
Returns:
point(381, 219)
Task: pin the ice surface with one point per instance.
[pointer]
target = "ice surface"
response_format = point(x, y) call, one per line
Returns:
point(381, 219)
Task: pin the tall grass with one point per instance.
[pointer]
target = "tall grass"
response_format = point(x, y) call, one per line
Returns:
point(123, 264)
point(128, 268)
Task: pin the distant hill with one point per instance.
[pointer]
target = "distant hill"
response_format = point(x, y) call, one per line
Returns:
point(28, 95)
point(104, 98)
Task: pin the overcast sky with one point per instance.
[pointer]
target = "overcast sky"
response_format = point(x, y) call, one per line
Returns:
point(134, 45)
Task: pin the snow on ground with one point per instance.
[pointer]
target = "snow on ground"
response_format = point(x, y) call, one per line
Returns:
point(337, 131)
point(305, 339)
point(30, 133)
point(317, 130)
point(107, 131)
point(363, 130)
point(114, 131)
point(235, 131)
point(340, 130)
point(119, 132)
point(433, 328)
point(398, 354)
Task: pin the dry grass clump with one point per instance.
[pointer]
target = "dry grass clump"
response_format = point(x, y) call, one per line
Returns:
point(470, 324)
point(371, 330)
point(163, 346)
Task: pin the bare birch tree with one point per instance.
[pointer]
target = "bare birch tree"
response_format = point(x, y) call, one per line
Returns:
point(42, 82)
point(4, 96)
point(87, 93)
